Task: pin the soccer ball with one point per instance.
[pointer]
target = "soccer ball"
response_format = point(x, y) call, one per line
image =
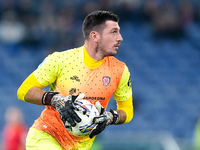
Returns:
point(84, 127)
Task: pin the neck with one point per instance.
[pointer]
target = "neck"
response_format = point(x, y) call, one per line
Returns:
point(90, 62)
point(92, 50)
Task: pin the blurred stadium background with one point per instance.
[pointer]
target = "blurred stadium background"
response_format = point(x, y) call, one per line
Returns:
point(161, 48)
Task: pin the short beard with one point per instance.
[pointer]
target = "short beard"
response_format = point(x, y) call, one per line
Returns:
point(97, 48)
point(105, 54)
point(112, 54)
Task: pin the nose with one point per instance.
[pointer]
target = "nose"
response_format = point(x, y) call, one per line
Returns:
point(120, 38)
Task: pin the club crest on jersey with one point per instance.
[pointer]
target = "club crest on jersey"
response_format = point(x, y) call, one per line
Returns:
point(106, 80)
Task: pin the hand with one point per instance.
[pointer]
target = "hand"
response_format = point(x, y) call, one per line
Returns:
point(65, 106)
point(106, 118)
point(67, 112)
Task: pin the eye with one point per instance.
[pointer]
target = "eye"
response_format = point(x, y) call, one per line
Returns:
point(114, 31)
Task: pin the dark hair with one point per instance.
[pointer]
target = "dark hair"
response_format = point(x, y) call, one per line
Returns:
point(95, 19)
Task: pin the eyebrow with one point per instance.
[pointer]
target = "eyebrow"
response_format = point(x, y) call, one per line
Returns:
point(115, 29)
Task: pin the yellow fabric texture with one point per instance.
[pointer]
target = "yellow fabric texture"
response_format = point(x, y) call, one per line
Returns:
point(124, 89)
point(31, 81)
point(26, 85)
point(126, 106)
point(69, 74)
point(72, 72)
point(90, 62)
point(40, 140)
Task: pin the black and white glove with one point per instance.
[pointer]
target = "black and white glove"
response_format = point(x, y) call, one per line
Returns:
point(65, 106)
point(106, 118)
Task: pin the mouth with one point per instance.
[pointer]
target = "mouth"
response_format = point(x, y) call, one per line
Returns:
point(117, 45)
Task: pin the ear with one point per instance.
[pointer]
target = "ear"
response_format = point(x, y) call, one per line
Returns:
point(94, 36)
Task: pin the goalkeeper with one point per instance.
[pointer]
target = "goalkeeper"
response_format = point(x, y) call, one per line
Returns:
point(91, 69)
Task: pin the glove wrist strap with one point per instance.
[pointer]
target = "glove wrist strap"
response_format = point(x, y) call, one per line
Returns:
point(116, 117)
point(47, 97)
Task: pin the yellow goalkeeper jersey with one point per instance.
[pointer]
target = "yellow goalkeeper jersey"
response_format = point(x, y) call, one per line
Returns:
point(73, 72)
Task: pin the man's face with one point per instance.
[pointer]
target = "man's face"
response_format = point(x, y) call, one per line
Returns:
point(110, 39)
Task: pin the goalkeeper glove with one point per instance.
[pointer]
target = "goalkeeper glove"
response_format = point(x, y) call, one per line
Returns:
point(106, 118)
point(65, 106)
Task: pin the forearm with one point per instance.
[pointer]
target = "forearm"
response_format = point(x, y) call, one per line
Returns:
point(34, 95)
point(31, 91)
point(122, 116)
point(125, 110)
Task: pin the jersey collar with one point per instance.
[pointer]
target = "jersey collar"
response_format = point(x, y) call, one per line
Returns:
point(90, 62)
